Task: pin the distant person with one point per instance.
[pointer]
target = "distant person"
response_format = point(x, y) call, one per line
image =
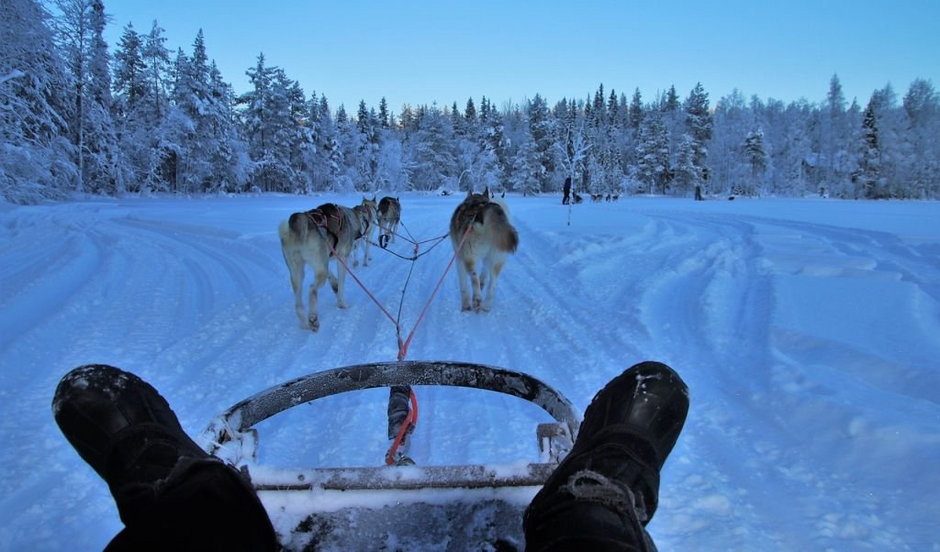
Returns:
point(172, 495)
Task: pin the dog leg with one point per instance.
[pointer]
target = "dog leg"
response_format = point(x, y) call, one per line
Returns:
point(313, 321)
point(295, 265)
point(475, 282)
point(365, 249)
point(463, 276)
point(320, 275)
point(494, 269)
point(339, 284)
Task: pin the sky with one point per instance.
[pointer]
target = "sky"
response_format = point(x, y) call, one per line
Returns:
point(419, 52)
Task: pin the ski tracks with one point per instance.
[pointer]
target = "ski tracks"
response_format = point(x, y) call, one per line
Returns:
point(202, 307)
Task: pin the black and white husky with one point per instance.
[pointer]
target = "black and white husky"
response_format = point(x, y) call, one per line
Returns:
point(312, 237)
point(481, 233)
point(366, 211)
point(389, 217)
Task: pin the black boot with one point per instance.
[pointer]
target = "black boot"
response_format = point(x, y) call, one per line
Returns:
point(120, 425)
point(606, 490)
point(170, 494)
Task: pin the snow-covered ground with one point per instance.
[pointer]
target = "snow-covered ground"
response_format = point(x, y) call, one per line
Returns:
point(807, 330)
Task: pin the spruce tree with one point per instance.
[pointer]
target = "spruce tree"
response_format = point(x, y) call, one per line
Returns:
point(699, 124)
point(756, 156)
point(542, 132)
point(383, 113)
point(37, 159)
point(652, 153)
point(868, 173)
point(636, 110)
point(129, 69)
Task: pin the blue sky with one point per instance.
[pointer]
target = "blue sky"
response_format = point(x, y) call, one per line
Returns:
point(420, 52)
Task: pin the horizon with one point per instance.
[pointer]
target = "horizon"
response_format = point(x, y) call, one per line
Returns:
point(427, 56)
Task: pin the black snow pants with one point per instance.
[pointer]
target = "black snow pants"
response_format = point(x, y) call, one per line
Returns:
point(203, 504)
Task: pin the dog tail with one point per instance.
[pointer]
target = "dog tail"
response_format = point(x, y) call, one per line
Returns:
point(504, 235)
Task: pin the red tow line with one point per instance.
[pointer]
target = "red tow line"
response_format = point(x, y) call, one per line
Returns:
point(411, 419)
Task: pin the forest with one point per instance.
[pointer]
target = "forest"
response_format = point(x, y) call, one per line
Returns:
point(80, 116)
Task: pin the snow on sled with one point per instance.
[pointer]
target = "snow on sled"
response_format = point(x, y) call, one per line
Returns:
point(398, 507)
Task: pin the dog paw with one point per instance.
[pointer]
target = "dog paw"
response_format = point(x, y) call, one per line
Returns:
point(314, 324)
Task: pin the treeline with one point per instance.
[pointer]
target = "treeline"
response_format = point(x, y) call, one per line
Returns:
point(78, 117)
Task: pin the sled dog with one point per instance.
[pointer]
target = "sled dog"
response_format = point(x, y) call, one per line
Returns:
point(366, 212)
point(481, 233)
point(389, 217)
point(312, 237)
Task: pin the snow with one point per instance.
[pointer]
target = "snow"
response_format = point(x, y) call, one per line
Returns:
point(807, 330)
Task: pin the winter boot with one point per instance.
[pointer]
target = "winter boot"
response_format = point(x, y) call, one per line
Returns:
point(171, 494)
point(606, 490)
point(120, 425)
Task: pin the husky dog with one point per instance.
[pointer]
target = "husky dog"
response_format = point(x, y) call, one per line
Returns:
point(480, 232)
point(389, 217)
point(366, 211)
point(312, 237)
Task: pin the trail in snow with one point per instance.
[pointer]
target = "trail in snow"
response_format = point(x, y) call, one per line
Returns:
point(808, 332)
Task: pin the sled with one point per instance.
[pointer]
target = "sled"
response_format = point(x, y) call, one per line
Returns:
point(400, 507)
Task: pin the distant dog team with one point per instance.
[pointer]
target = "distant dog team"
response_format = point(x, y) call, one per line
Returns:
point(480, 232)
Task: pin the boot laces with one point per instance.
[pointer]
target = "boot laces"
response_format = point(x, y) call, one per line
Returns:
point(592, 486)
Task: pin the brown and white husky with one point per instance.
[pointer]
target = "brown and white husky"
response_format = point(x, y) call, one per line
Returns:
point(389, 217)
point(481, 233)
point(366, 211)
point(312, 237)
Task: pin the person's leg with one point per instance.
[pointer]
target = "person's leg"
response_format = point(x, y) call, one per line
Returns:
point(602, 495)
point(170, 494)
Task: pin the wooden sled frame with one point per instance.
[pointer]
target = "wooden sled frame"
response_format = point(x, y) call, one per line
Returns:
point(232, 437)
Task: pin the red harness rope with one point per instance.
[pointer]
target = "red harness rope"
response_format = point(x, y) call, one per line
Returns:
point(407, 426)
point(411, 419)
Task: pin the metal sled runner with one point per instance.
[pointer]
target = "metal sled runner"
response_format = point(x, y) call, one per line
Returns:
point(458, 507)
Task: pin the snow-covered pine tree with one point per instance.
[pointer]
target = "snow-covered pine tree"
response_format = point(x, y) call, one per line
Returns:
point(756, 156)
point(867, 175)
point(384, 115)
point(271, 118)
point(833, 148)
point(523, 159)
point(687, 176)
point(698, 120)
point(81, 34)
point(636, 111)
point(922, 108)
point(130, 81)
point(431, 154)
point(652, 153)
point(368, 148)
point(37, 160)
point(202, 126)
point(156, 58)
point(542, 130)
